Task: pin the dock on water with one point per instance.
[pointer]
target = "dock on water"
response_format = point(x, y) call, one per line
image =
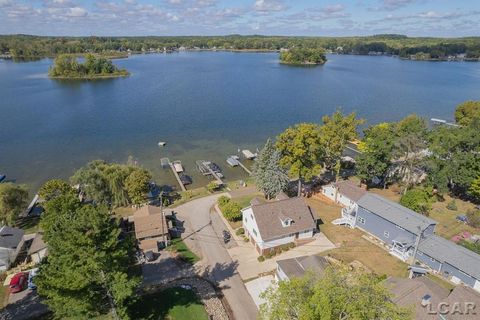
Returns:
point(235, 161)
point(175, 173)
point(205, 167)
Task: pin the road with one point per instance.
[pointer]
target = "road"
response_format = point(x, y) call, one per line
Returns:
point(203, 234)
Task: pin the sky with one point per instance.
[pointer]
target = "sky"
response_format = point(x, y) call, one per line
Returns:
point(438, 18)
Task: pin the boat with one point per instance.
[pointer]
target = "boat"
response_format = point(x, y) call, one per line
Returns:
point(249, 154)
point(186, 180)
point(162, 144)
point(2, 177)
point(232, 161)
point(215, 168)
point(177, 165)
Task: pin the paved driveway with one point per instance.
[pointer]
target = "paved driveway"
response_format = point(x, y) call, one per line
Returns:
point(257, 286)
point(203, 235)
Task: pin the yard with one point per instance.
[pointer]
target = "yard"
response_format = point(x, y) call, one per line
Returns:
point(178, 246)
point(171, 304)
point(351, 244)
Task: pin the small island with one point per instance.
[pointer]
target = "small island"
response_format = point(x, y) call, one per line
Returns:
point(66, 66)
point(303, 56)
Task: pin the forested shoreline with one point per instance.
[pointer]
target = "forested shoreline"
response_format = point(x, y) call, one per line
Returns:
point(66, 66)
point(28, 46)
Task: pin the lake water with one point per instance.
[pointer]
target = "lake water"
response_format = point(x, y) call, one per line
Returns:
point(206, 105)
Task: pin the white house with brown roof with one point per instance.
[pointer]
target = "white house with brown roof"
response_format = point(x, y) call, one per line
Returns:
point(273, 224)
point(345, 193)
point(151, 228)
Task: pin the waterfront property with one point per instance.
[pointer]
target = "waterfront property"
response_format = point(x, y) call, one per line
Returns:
point(151, 228)
point(11, 242)
point(281, 222)
point(297, 267)
point(400, 229)
point(343, 192)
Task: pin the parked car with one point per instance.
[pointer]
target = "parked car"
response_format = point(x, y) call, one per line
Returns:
point(18, 282)
point(226, 236)
point(462, 218)
point(32, 275)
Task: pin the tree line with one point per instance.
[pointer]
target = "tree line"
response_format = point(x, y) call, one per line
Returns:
point(67, 66)
point(28, 46)
point(303, 56)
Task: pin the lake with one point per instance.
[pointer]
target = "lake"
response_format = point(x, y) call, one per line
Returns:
point(205, 105)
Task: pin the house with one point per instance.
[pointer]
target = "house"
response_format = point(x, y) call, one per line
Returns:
point(345, 192)
point(151, 228)
point(416, 294)
point(273, 224)
point(38, 248)
point(430, 301)
point(452, 261)
point(11, 242)
point(297, 267)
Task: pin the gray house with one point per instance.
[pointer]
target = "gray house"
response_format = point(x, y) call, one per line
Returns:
point(450, 260)
point(11, 241)
point(397, 226)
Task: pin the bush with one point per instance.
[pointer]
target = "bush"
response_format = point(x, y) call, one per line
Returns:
point(212, 186)
point(473, 218)
point(246, 239)
point(419, 200)
point(240, 231)
point(223, 200)
point(231, 210)
point(452, 205)
point(261, 258)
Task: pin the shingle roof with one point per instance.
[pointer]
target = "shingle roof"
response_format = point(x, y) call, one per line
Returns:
point(148, 222)
point(396, 213)
point(268, 217)
point(447, 251)
point(350, 190)
point(10, 237)
point(410, 292)
point(462, 294)
point(296, 267)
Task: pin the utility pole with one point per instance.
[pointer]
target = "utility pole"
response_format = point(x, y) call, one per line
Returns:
point(417, 242)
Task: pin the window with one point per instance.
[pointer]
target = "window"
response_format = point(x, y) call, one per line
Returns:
point(251, 216)
point(431, 259)
point(255, 232)
point(361, 220)
point(386, 234)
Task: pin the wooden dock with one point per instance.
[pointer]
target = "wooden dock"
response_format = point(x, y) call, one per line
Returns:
point(205, 169)
point(244, 168)
point(175, 173)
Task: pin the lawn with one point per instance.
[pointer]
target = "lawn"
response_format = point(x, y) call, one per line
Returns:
point(178, 246)
point(352, 245)
point(171, 304)
point(3, 295)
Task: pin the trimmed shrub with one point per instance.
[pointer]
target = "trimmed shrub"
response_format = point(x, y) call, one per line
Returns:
point(240, 231)
point(223, 200)
point(232, 211)
point(473, 218)
point(261, 258)
point(212, 186)
point(452, 205)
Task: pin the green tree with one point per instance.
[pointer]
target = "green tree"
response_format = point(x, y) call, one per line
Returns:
point(55, 188)
point(335, 133)
point(474, 189)
point(467, 112)
point(13, 200)
point(338, 294)
point(93, 182)
point(137, 185)
point(85, 273)
point(377, 153)
point(419, 200)
point(301, 151)
point(270, 177)
point(473, 218)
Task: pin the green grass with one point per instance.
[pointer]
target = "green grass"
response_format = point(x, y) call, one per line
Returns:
point(3, 295)
point(171, 304)
point(178, 246)
point(443, 283)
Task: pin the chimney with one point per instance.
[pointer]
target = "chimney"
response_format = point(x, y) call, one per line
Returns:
point(426, 300)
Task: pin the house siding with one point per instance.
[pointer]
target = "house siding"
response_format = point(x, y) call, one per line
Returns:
point(432, 263)
point(332, 193)
point(377, 226)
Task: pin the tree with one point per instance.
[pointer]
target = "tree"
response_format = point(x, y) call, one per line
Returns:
point(473, 218)
point(474, 189)
point(13, 200)
point(55, 188)
point(377, 153)
point(137, 185)
point(270, 177)
point(85, 273)
point(337, 294)
point(335, 132)
point(93, 182)
point(301, 151)
point(467, 112)
point(418, 200)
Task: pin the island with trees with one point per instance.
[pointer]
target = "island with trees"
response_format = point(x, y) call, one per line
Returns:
point(66, 66)
point(303, 56)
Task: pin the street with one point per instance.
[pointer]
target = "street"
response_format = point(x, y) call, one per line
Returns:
point(203, 235)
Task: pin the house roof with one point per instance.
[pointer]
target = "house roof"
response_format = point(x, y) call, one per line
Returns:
point(350, 190)
point(395, 213)
point(10, 237)
point(460, 295)
point(149, 222)
point(269, 217)
point(410, 292)
point(37, 244)
point(296, 267)
point(447, 251)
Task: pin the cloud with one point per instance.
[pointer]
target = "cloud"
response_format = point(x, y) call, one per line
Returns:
point(5, 3)
point(391, 5)
point(76, 12)
point(333, 8)
point(269, 5)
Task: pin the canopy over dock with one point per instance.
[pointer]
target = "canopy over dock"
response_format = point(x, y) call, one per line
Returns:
point(248, 154)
